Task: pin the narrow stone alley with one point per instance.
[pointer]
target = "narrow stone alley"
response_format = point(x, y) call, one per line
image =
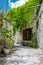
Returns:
point(23, 56)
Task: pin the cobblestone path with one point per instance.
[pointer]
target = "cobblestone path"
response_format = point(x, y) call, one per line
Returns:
point(23, 56)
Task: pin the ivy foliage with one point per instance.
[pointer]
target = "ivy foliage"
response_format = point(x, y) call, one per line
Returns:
point(22, 15)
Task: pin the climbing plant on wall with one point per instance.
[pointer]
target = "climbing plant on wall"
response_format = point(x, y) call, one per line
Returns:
point(22, 15)
point(1, 20)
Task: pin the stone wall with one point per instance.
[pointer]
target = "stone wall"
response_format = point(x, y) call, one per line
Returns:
point(40, 30)
point(9, 26)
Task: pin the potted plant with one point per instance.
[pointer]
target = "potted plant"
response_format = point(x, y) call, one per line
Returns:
point(8, 45)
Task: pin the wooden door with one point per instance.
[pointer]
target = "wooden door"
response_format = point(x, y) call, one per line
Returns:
point(27, 34)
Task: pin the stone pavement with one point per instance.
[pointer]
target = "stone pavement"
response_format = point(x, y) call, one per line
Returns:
point(23, 56)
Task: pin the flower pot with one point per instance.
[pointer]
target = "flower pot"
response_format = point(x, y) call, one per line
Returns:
point(6, 51)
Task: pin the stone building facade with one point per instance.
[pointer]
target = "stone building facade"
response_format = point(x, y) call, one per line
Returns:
point(40, 28)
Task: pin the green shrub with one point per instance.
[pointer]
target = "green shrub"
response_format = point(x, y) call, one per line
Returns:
point(9, 43)
point(33, 42)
